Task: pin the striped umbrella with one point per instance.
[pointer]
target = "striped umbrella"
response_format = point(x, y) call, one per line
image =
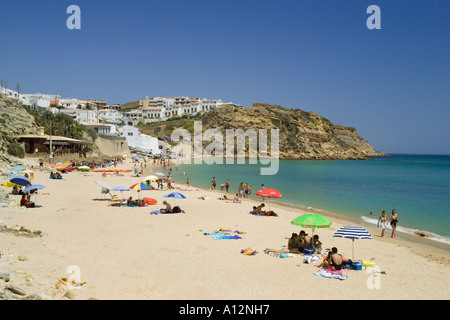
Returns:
point(352, 233)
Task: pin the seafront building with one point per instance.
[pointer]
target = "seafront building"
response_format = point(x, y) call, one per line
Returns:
point(164, 108)
point(110, 122)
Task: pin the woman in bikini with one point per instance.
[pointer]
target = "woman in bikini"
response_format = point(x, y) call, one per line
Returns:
point(383, 221)
point(394, 221)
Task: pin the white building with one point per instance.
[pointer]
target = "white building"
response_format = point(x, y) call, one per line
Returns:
point(72, 103)
point(110, 116)
point(100, 128)
point(160, 108)
point(136, 139)
point(86, 116)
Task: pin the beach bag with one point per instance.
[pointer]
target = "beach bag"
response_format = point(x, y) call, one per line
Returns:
point(176, 209)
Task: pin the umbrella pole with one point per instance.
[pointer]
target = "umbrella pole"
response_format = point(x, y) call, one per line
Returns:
point(353, 249)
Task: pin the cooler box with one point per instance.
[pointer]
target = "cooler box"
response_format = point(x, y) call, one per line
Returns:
point(308, 251)
point(357, 265)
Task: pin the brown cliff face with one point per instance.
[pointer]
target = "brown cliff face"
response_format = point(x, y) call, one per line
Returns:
point(302, 135)
point(14, 121)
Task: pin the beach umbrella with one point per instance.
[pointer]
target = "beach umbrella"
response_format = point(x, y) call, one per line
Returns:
point(34, 187)
point(140, 186)
point(175, 195)
point(150, 178)
point(268, 193)
point(18, 168)
point(104, 184)
point(160, 174)
point(15, 175)
point(121, 189)
point(353, 233)
point(20, 181)
point(136, 168)
point(311, 220)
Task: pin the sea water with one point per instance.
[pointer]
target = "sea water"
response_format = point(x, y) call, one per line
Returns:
point(417, 186)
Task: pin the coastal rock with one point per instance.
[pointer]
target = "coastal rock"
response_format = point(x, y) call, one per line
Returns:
point(5, 276)
point(4, 199)
point(15, 289)
point(302, 135)
point(14, 121)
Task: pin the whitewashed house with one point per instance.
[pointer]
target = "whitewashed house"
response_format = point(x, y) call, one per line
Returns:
point(136, 139)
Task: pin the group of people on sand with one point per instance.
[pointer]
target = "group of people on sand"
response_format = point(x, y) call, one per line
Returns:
point(258, 210)
point(55, 175)
point(383, 222)
point(297, 243)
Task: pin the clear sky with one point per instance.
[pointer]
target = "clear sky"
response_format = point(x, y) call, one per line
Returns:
point(392, 84)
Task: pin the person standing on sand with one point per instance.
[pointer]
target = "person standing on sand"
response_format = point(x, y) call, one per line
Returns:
point(394, 221)
point(187, 181)
point(227, 185)
point(214, 183)
point(382, 222)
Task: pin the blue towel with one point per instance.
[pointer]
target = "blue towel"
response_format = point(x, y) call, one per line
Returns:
point(327, 274)
point(156, 212)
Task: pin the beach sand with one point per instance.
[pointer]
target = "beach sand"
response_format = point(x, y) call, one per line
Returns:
point(128, 253)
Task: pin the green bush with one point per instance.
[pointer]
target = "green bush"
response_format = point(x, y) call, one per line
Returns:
point(16, 150)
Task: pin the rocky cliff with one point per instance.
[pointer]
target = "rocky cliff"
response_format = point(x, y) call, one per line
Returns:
point(302, 135)
point(14, 121)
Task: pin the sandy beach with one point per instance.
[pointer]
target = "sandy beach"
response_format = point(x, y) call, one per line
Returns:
point(127, 253)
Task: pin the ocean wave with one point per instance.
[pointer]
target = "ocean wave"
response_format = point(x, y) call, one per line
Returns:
point(415, 232)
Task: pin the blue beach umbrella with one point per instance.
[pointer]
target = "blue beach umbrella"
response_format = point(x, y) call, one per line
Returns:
point(18, 168)
point(33, 187)
point(121, 189)
point(352, 233)
point(175, 195)
point(22, 181)
point(16, 175)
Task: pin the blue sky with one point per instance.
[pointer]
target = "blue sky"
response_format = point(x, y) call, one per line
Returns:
point(392, 84)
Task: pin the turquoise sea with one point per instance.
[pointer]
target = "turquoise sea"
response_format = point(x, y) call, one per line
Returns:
point(417, 186)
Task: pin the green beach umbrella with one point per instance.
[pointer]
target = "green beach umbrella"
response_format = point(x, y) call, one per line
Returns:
point(312, 220)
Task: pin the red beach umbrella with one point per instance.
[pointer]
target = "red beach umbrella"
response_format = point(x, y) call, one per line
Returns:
point(269, 193)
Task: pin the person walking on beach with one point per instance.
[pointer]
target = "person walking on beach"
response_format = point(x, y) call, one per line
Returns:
point(394, 221)
point(187, 181)
point(227, 185)
point(382, 222)
point(214, 183)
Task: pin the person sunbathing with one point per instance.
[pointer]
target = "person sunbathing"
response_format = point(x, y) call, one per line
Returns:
point(333, 261)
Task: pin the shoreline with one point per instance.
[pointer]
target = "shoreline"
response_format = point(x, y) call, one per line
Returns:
point(127, 253)
point(407, 239)
point(430, 238)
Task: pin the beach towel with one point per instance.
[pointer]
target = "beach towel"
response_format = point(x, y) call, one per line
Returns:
point(328, 273)
point(156, 212)
point(220, 235)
